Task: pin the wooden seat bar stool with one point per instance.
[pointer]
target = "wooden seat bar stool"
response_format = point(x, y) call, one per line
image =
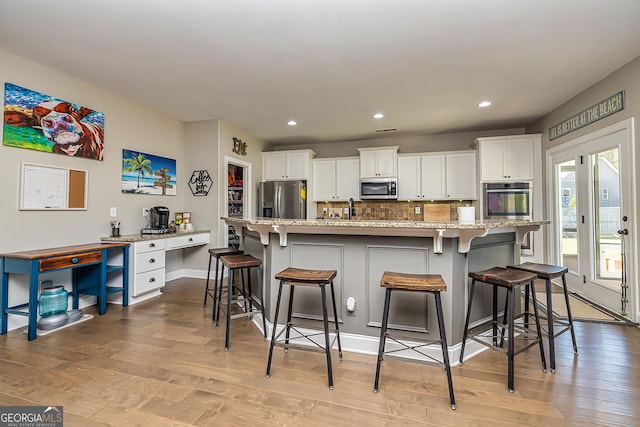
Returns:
point(549, 272)
point(429, 283)
point(509, 279)
point(315, 278)
point(217, 253)
point(243, 264)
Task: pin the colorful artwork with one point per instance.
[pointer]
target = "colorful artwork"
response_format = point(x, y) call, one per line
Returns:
point(40, 122)
point(148, 174)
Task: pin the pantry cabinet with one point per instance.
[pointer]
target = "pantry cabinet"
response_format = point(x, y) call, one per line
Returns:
point(507, 158)
point(381, 162)
point(437, 176)
point(286, 165)
point(335, 179)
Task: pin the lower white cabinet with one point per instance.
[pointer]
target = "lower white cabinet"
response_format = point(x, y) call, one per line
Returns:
point(148, 266)
point(148, 257)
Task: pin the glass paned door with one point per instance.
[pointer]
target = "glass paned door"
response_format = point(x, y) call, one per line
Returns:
point(592, 181)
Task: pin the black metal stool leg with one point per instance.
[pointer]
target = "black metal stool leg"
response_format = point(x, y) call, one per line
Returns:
point(218, 301)
point(261, 292)
point(445, 348)
point(229, 298)
point(510, 343)
point(552, 335)
point(273, 332)
point(327, 341)
point(206, 288)
point(335, 316)
point(289, 312)
point(538, 327)
point(383, 336)
point(466, 322)
point(569, 317)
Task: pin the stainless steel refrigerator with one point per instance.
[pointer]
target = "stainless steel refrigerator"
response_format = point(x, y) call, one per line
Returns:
point(283, 199)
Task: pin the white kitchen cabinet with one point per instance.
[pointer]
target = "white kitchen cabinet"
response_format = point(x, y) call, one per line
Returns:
point(335, 179)
point(148, 258)
point(148, 266)
point(381, 162)
point(437, 176)
point(507, 158)
point(286, 165)
point(461, 178)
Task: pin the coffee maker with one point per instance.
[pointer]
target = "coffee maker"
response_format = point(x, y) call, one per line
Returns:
point(159, 218)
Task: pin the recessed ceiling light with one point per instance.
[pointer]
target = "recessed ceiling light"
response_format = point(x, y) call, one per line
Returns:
point(484, 104)
point(378, 116)
point(292, 123)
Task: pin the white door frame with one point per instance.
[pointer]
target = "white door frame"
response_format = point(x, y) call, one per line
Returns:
point(247, 187)
point(629, 208)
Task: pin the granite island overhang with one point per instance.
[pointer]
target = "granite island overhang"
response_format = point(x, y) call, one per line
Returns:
point(436, 230)
point(361, 251)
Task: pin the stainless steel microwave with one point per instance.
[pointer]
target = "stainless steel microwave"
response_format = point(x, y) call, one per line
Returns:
point(378, 188)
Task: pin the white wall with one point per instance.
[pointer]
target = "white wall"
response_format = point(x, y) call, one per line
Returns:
point(127, 125)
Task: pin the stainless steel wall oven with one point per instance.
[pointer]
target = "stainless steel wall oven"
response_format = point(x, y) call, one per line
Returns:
point(509, 200)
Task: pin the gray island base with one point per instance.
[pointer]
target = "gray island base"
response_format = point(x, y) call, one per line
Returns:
point(361, 251)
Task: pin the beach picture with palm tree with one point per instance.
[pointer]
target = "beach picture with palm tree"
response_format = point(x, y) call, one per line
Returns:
point(148, 174)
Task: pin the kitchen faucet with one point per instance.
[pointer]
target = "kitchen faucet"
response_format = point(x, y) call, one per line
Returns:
point(352, 209)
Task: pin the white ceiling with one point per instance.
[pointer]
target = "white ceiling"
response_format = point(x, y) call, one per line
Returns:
point(332, 64)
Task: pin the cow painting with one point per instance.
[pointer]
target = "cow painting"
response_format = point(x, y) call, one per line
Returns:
point(32, 120)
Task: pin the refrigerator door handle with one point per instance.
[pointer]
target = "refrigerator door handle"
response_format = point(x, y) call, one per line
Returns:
point(276, 207)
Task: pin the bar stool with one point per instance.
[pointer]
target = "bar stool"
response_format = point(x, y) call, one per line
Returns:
point(549, 272)
point(217, 252)
point(314, 278)
point(429, 283)
point(242, 263)
point(509, 279)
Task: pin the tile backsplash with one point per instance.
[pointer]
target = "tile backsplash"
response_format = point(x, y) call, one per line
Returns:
point(387, 210)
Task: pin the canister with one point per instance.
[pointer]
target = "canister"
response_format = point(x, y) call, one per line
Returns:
point(53, 300)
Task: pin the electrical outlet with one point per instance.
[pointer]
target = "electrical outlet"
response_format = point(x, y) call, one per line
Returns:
point(325, 210)
point(345, 211)
point(113, 212)
point(417, 209)
point(145, 212)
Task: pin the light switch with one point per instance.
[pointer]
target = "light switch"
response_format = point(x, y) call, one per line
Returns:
point(113, 212)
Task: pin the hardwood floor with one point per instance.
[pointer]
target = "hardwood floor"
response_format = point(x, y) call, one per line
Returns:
point(162, 363)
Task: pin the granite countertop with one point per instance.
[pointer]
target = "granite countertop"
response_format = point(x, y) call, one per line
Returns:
point(436, 230)
point(139, 237)
point(476, 225)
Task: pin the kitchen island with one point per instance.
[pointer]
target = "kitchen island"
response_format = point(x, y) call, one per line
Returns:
point(361, 251)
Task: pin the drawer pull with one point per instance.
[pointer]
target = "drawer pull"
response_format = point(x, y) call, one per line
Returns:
point(151, 280)
point(152, 260)
point(152, 245)
point(190, 239)
point(74, 260)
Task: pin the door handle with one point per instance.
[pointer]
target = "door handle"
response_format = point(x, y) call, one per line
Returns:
point(624, 231)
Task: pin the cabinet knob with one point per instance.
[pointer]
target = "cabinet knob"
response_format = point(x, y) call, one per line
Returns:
point(74, 260)
point(152, 245)
point(151, 280)
point(190, 239)
point(152, 260)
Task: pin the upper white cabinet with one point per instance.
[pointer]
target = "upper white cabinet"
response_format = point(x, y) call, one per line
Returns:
point(461, 179)
point(380, 162)
point(335, 179)
point(286, 165)
point(437, 176)
point(507, 158)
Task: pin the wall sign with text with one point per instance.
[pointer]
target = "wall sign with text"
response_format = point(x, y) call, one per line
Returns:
point(602, 109)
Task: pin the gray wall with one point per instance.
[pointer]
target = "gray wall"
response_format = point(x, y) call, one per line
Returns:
point(626, 78)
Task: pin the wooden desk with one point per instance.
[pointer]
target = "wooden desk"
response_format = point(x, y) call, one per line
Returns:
point(89, 276)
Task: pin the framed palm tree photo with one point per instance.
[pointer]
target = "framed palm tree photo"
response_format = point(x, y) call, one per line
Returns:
point(148, 174)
